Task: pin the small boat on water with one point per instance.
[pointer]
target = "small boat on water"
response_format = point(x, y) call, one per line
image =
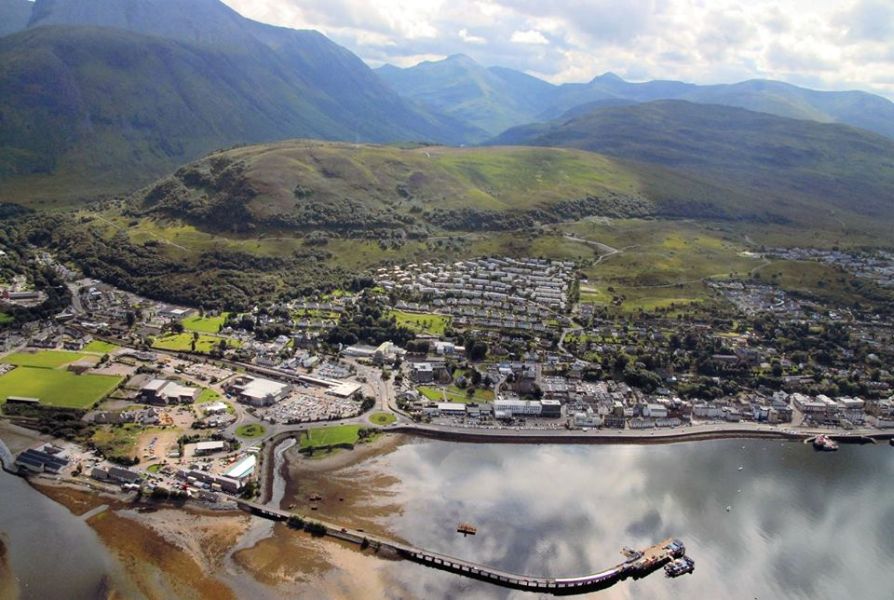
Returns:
point(466, 529)
point(679, 566)
point(824, 443)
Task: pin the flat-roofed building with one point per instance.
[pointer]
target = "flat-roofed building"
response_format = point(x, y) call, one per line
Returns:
point(422, 372)
point(260, 392)
point(453, 409)
point(44, 459)
point(215, 482)
point(165, 392)
point(210, 447)
point(655, 411)
point(242, 469)
point(22, 400)
point(215, 408)
point(551, 408)
point(530, 408)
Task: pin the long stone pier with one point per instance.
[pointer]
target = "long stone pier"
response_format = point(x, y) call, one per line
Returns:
point(638, 565)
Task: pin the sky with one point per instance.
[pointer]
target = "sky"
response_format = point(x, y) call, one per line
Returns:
point(826, 44)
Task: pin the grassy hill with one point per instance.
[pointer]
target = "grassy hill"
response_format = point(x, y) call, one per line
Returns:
point(797, 170)
point(855, 108)
point(309, 185)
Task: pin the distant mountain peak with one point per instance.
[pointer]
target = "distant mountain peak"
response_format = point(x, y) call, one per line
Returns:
point(608, 76)
point(461, 59)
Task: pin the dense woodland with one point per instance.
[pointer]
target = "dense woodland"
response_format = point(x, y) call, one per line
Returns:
point(214, 279)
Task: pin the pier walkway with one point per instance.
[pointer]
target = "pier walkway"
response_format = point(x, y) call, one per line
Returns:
point(638, 565)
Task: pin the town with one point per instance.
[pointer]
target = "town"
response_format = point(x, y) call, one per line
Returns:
point(162, 399)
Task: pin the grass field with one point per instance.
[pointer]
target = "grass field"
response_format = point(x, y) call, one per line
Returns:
point(5, 319)
point(451, 393)
point(324, 437)
point(816, 279)
point(57, 388)
point(252, 430)
point(100, 347)
point(44, 359)
point(182, 342)
point(207, 395)
point(205, 324)
point(382, 418)
point(117, 440)
point(426, 323)
point(659, 263)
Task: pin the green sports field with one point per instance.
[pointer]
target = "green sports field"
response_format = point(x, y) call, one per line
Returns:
point(322, 437)
point(426, 323)
point(57, 388)
point(182, 342)
point(100, 347)
point(205, 324)
point(45, 359)
point(451, 393)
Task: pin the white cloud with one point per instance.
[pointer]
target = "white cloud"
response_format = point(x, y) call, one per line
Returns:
point(468, 38)
point(828, 44)
point(532, 36)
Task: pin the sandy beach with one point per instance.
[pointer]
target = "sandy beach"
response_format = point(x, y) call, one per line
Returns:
point(191, 552)
point(9, 589)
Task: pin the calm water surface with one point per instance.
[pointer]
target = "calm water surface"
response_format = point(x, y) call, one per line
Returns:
point(800, 525)
point(52, 553)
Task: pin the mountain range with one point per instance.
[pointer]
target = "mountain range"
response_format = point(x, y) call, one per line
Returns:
point(120, 91)
point(105, 96)
point(495, 98)
point(792, 167)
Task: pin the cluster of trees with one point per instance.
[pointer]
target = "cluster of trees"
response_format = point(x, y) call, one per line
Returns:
point(56, 422)
point(312, 527)
point(368, 322)
point(162, 494)
point(473, 219)
point(476, 348)
point(216, 279)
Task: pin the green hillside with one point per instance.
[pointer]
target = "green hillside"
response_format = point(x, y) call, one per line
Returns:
point(798, 170)
point(858, 109)
point(309, 185)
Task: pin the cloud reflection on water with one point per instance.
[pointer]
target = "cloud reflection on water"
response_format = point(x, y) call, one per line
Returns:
point(801, 525)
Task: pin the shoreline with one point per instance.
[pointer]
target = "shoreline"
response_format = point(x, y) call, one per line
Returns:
point(539, 437)
point(671, 436)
